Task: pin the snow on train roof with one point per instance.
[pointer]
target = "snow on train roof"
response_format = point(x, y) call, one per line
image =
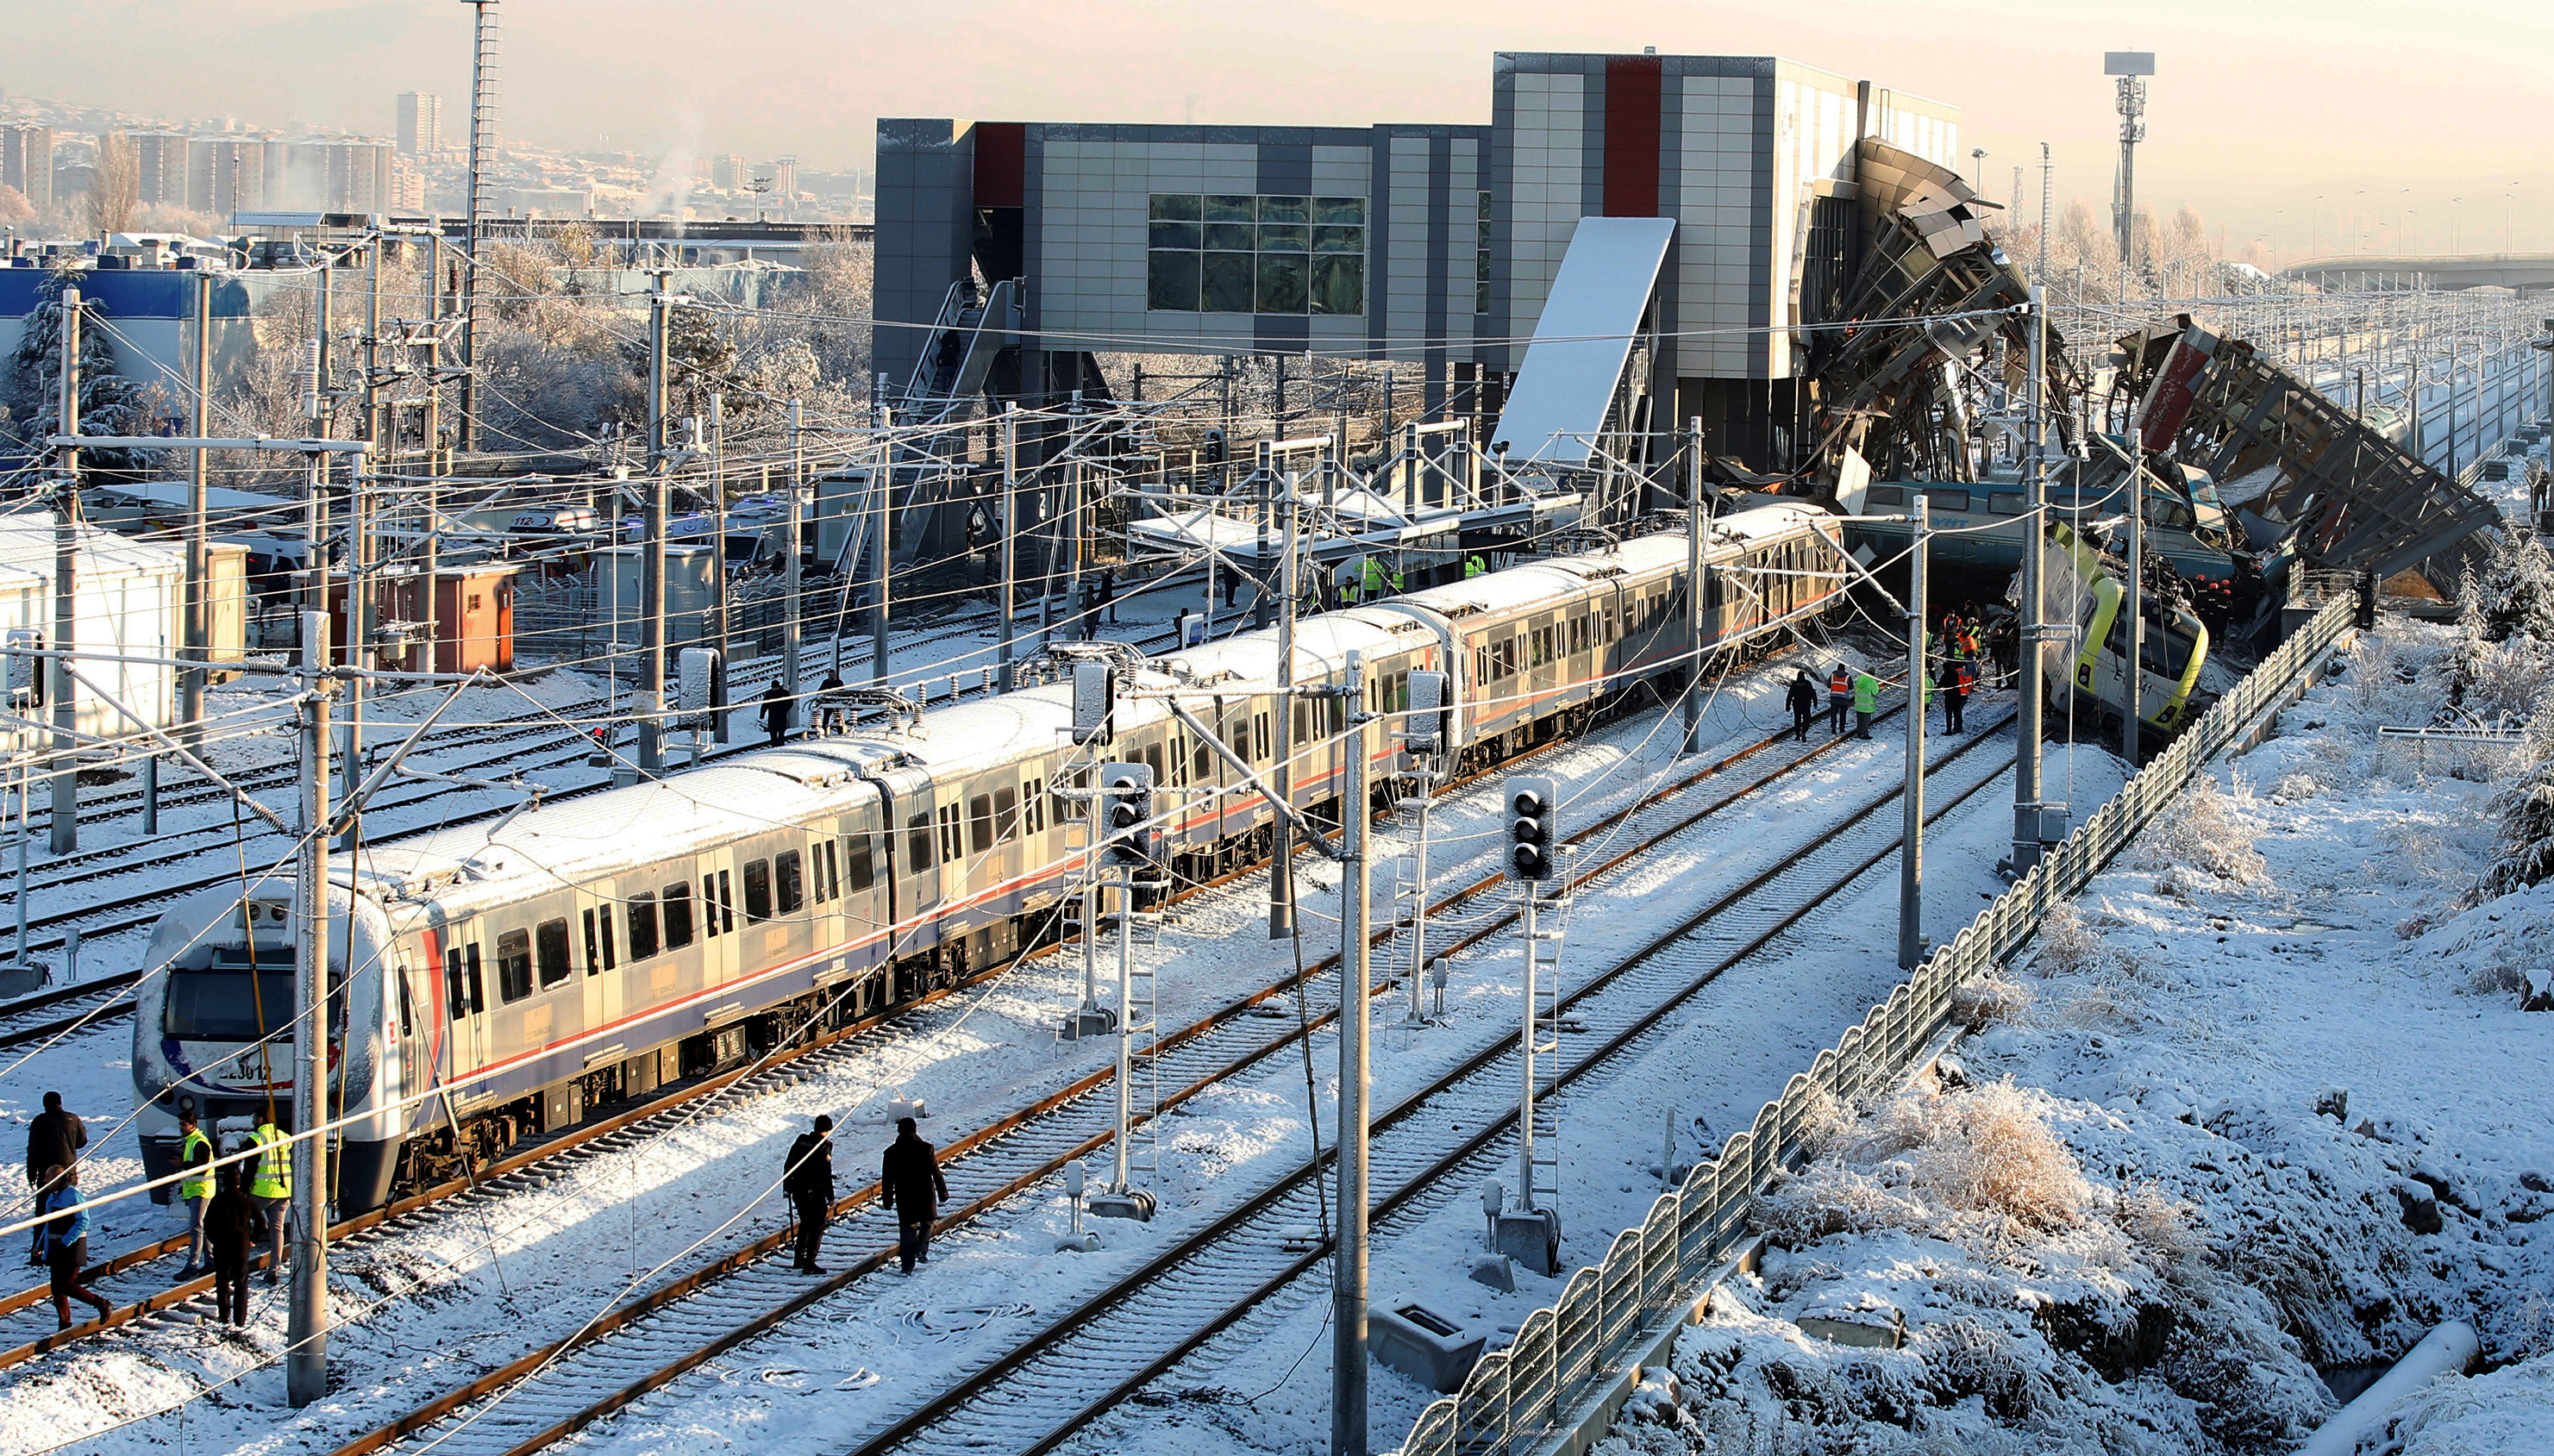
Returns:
point(1321, 640)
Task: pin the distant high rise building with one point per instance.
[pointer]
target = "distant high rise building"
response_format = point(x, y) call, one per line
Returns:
point(159, 168)
point(784, 179)
point(226, 174)
point(420, 124)
point(728, 172)
point(335, 175)
point(27, 162)
point(407, 186)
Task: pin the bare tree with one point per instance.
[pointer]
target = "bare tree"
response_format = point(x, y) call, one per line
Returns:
point(115, 189)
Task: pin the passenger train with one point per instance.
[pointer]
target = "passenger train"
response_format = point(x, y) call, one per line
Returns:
point(508, 978)
point(2096, 668)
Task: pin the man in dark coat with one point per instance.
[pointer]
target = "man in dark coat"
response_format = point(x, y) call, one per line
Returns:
point(235, 1227)
point(1804, 701)
point(54, 1139)
point(910, 1182)
point(808, 1179)
point(775, 711)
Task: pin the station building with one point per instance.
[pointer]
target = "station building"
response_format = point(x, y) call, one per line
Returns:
point(1435, 244)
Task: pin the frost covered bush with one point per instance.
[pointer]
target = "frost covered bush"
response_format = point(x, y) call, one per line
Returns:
point(2200, 830)
point(2068, 943)
point(1994, 996)
point(1977, 1165)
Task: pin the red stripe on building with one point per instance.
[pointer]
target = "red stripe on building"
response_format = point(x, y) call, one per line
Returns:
point(1631, 136)
point(1002, 160)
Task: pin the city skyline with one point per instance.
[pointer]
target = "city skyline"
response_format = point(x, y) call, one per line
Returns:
point(2271, 122)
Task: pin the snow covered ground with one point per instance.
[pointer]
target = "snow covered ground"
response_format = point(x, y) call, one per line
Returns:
point(2264, 1108)
point(420, 1312)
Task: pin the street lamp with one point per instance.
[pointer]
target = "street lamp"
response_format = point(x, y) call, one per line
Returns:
point(1978, 157)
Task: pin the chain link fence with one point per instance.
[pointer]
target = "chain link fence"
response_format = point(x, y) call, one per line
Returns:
point(1565, 1355)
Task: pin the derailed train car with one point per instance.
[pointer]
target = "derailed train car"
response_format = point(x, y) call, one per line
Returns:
point(496, 981)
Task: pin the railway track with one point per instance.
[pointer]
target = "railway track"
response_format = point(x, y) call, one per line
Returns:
point(656, 1338)
point(1104, 1349)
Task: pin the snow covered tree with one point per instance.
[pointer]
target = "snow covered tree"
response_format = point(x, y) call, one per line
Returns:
point(2526, 810)
point(2504, 660)
point(109, 403)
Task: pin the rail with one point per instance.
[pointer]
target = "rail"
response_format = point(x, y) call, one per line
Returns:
point(1552, 1385)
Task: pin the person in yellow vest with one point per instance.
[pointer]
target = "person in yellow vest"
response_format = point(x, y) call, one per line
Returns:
point(195, 1159)
point(1474, 566)
point(1349, 579)
point(270, 1187)
point(1375, 583)
point(1866, 703)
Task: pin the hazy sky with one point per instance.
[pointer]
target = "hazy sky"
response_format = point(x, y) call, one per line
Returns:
point(2260, 107)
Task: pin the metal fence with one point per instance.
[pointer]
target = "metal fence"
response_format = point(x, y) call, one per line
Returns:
point(1565, 1357)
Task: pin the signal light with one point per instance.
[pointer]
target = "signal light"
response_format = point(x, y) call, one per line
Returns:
point(1130, 837)
point(1533, 829)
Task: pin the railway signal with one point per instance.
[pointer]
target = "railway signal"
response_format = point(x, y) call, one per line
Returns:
point(1132, 838)
point(1533, 829)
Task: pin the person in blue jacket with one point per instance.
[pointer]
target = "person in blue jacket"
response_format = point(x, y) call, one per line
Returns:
point(61, 1243)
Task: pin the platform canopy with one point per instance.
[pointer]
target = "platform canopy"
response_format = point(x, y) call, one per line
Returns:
point(1583, 340)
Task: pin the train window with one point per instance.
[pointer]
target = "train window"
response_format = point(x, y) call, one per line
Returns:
point(2006, 503)
point(1006, 812)
point(829, 872)
point(1480, 664)
point(593, 957)
point(709, 905)
point(610, 953)
point(1205, 763)
point(917, 844)
point(1948, 499)
point(726, 901)
point(791, 881)
point(550, 950)
point(1033, 808)
point(952, 843)
point(461, 980)
point(514, 964)
point(407, 1014)
point(858, 864)
point(1260, 740)
point(980, 824)
point(757, 891)
point(1885, 496)
point(676, 914)
point(231, 1002)
point(642, 927)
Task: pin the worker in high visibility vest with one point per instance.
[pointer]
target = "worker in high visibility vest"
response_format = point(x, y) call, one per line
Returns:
point(1839, 695)
point(1474, 566)
point(195, 1159)
point(270, 1187)
point(1350, 581)
point(1379, 583)
point(1866, 703)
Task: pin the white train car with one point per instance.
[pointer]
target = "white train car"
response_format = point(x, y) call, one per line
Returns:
point(506, 978)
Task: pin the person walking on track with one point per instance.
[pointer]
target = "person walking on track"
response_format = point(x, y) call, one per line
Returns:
point(54, 1139)
point(1839, 698)
point(1951, 696)
point(910, 1182)
point(232, 1227)
point(1866, 703)
point(271, 1183)
point(1804, 701)
point(61, 1243)
point(775, 713)
point(808, 1179)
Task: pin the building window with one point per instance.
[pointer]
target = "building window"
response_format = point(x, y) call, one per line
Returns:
point(1482, 260)
point(1228, 253)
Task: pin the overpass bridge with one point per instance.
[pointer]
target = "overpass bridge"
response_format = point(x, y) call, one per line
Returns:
point(2521, 272)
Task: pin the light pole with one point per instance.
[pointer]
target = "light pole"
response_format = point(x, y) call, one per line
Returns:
point(1978, 161)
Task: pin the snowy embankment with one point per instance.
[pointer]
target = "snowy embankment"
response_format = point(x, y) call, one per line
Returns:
point(2262, 1108)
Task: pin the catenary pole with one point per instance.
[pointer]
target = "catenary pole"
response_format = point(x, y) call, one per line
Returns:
point(2035, 482)
point(1348, 1281)
point(1910, 844)
point(881, 544)
point(794, 580)
point(307, 1321)
point(1280, 870)
point(652, 559)
point(64, 786)
point(190, 689)
point(1696, 529)
point(1009, 526)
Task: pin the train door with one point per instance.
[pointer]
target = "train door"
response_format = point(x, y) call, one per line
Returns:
point(779, 915)
point(469, 1007)
point(599, 952)
point(912, 870)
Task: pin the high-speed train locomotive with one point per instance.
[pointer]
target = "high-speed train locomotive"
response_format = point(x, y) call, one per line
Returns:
point(511, 978)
